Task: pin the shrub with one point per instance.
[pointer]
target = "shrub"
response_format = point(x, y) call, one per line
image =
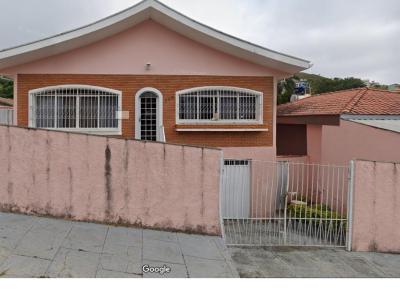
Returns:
point(316, 214)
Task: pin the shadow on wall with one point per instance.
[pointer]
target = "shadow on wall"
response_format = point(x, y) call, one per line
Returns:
point(110, 180)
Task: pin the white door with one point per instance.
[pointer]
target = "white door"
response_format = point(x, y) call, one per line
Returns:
point(148, 122)
point(149, 115)
point(236, 189)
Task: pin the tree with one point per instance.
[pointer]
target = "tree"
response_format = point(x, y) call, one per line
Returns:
point(6, 88)
point(318, 85)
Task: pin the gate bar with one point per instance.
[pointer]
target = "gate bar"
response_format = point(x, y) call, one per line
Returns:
point(350, 206)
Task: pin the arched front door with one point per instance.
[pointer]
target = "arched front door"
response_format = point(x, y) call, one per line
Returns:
point(148, 124)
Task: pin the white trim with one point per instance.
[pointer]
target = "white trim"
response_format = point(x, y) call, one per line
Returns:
point(151, 9)
point(223, 130)
point(259, 110)
point(78, 86)
point(160, 131)
point(100, 131)
point(15, 100)
point(274, 112)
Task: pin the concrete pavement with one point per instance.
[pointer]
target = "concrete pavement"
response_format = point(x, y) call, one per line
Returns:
point(313, 263)
point(43, 247)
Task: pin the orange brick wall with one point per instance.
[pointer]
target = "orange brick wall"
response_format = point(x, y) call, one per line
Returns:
point(168, 85)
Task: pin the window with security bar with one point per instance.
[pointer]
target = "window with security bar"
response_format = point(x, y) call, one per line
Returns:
point(86, 109)
point(219, 104)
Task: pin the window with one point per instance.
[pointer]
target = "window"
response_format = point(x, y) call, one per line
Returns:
point(76, 108)
point(219, 105)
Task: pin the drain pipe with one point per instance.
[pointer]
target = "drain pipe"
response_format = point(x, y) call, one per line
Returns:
point(221, 187)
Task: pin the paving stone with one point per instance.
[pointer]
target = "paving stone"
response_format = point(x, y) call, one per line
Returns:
point(254, 263)
point(331, 265)
point(119, 239)
point(4, 253)
point(112, 274)
point(206, 268)
point(361, 266)
point(43, 239)
point(16, 221)
point(177, 270)
point(159, 235)
point(162, 251)
point(9, 236)
point(22, 266)
point(199, 246)
point(300, 264)
point(70, 263)
point(389, 263)
point(86, 237)
point(134, 267)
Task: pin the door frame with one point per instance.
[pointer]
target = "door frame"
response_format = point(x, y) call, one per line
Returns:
point(159, 111)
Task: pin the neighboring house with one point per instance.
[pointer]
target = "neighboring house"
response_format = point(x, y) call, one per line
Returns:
point(394, 87)
point(151, 73)
point(336, 127)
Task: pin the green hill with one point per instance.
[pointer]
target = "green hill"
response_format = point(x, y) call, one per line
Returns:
point(318, 84)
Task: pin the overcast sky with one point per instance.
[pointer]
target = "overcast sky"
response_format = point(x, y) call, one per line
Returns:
point(341, 37)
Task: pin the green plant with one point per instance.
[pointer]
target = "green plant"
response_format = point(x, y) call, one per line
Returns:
point(316, 214)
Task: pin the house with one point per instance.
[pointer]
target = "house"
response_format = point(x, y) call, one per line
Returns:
point(336, 127)
point(394, 87)
point(151, 73)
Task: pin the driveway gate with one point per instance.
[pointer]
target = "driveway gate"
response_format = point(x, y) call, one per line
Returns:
point(284, 203)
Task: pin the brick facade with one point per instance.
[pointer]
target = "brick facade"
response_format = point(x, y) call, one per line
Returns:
point(167, 85)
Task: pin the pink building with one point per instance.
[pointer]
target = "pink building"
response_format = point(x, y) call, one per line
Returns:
point(151, 73)
point(337, 127)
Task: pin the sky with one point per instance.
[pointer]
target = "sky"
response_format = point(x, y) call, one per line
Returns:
point(342, 38)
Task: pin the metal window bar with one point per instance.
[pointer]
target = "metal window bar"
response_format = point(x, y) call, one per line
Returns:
point(284, 203)
point(148, 116)
point(75, 108)
point(6, 116)
point(219, 105)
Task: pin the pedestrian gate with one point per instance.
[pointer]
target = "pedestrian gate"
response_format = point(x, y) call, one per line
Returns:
point(284, 203)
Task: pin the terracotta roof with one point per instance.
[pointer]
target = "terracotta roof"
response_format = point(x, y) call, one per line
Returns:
point(353, 101)
point(6, 102)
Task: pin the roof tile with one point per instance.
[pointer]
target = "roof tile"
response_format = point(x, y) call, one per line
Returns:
point(353, 101)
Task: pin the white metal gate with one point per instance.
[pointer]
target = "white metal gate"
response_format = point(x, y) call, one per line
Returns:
point(236, 192)
point(284, 203)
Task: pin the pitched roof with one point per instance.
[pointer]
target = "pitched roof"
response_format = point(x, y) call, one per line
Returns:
point(155, 10)
point(382, 122)
point(362, 101)
point(6, 102)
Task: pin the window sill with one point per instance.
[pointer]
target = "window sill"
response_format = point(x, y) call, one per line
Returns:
point(222, 129)
point(85, 131)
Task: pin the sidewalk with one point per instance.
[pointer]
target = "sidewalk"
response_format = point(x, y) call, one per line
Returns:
point(43, 247)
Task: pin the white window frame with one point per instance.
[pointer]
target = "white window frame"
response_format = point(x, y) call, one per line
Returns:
point(160, 127)
point(100, 131)
point(259, 107)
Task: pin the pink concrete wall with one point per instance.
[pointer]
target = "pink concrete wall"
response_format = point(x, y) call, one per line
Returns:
point(93, 178)
point(355, 141)
point(129, 51)
point(254, 153)
point(314, 139)
point(376, 207)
